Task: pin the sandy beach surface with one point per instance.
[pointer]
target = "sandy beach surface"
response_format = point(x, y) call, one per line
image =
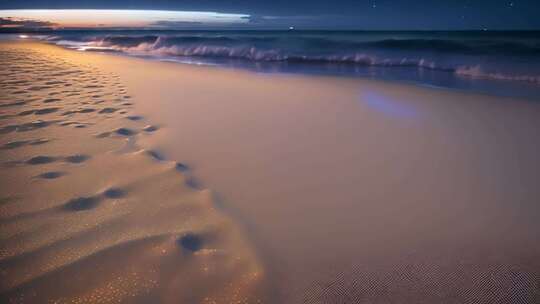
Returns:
point(90, 216)
point(131, 180)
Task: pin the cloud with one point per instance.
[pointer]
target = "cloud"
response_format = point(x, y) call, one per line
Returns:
point(124, 18)
point(176, 24)
point(11, 22)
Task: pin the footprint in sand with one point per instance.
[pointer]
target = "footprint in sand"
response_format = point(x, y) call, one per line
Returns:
point(92, 86)
point(27, 126)
point(20, 92)
point(77, 158)
point(193, 183)
point(125, 132)
point(114, 193)
point(20, 143)
point(13, 104)
point(190, 242)
point(155, 155)
point(26, 113)
point(39, 88)
point(46, 111)
point(182, 167)
point(14, 144)
point(82, 203)
point(83, 110)
point(89, 202)
point(8, 129)
point(36, 125)
point(190, 181)
point(135, 117)
point(107, 110)
point(41, 160)
point(86, 110)
point(51, 175)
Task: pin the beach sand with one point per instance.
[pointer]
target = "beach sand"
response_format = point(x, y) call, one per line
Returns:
point(90, 216)
point(290, 189)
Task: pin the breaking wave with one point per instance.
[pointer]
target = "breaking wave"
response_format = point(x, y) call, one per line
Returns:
point(497, 58)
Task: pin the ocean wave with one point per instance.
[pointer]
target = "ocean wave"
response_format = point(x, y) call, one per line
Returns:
point(251, 53)
point(274, 55)
point(471, 46)
point(466, 58)
point(478, 72)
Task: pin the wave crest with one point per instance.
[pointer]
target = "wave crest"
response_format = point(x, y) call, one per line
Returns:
point(478, 72)
point(473, 58)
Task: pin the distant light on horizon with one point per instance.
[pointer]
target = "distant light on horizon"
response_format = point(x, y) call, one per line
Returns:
point(124, 18)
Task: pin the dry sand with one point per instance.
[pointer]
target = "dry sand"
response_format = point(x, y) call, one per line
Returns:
point(331, 190)
point(88, 215)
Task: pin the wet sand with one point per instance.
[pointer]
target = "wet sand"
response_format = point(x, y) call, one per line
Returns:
point(338, 190)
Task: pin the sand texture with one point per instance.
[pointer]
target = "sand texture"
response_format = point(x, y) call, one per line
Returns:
point(87, 214)
point(359, 191)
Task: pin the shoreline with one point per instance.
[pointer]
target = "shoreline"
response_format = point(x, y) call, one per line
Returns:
point(351, 181)
point(323, 75)
point(477, 91)
point(468, 65)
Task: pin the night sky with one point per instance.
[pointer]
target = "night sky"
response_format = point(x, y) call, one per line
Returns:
point(337, 14)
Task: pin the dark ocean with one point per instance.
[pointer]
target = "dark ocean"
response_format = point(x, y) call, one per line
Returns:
point(498, 63)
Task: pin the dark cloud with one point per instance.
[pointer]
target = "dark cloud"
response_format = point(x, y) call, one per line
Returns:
point(10, 22)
